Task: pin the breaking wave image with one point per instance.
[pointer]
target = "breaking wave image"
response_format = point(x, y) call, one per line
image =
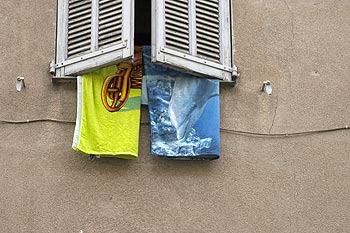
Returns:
point(172, 117)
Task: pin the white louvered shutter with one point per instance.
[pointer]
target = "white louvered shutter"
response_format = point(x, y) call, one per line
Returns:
point(194, 35)
point(92, 33)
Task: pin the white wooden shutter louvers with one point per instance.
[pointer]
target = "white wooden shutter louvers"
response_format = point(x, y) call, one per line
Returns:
point(176, 24)
point(208, 29)
point(79, 27)
point(110, 22)
point(92, 33)
point(194, 35)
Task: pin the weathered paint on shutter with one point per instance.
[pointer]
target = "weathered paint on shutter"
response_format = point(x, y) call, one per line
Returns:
point(92, 33)
point(208, 29)
point(194, 35)
point(110, 23)
point(79, 27)
point(177, 24)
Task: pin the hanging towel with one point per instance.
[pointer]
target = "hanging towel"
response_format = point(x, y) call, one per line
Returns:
point(99, 131)
point(184, 112)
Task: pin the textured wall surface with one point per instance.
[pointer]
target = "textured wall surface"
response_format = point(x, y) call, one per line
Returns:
point(260, 184)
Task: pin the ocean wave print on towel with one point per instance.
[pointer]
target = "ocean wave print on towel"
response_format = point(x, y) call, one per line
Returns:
point(184, 113)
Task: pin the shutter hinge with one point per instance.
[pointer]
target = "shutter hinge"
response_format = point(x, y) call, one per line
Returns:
point(52, 67)
point(235, 73)
point(234, 76)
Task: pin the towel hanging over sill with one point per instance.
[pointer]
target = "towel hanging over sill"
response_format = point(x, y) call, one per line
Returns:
point(100, 131)
point(184, 112)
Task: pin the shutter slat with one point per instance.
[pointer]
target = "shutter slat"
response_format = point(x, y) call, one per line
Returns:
point(206, 11)
point(176, 18)
point(78, 9)
point(74, 52)
point(110, 36)
point(206, 42)
point(79, 25)
point(183, 31)
point(110, 19)
point(106, 24)
point(87, 33)
point(109, 3)
point(75, 4)
point(205, 19)
point(79, 13)
point(109, 40)
point(116, 28)
point(209, 32)
point(83, 27)
point(113, 8)
point(208, 54)
point(80, 38)
point(210, 50)
point(177, 8)
point(109, 15)
point(175, 33)
point(177, 45)
point(79, 44)
point(176, 38)
point(209, 4)
point(80, 19)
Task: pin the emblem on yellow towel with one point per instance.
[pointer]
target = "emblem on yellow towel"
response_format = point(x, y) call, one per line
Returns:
point(116, 88)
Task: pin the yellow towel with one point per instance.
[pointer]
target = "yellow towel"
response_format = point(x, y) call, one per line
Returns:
point(104, 133)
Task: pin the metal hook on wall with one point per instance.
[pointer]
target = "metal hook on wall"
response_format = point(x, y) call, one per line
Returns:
point(20, 85)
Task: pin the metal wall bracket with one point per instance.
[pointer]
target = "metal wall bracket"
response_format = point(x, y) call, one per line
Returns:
point(20, 85)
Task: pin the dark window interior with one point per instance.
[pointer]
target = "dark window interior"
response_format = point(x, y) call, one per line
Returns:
point(142, 22)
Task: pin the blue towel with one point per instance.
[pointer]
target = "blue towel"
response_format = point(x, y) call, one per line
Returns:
point(184, 112)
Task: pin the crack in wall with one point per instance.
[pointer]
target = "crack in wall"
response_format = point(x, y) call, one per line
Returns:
point(290, 79)
point(292, 19)
point(274, 116)
point(291, 45)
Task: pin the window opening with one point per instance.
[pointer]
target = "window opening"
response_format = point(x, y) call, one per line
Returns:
point(143, 22)
point(192, 35)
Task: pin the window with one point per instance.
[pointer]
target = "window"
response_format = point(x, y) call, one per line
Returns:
point(194, 35)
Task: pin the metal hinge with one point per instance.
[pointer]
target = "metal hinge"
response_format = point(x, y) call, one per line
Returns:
point(52, 67)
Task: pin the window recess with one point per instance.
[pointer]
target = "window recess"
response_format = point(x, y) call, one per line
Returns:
point(192, 35)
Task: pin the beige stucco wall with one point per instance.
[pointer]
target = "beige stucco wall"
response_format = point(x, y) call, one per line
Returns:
point(298, 184)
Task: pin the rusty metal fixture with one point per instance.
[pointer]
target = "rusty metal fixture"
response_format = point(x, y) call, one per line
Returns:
point(116, 88)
